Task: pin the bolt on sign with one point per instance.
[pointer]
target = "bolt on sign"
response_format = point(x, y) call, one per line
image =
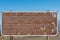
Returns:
point(29, 23)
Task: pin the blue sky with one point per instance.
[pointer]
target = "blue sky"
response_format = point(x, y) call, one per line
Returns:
point(29, 5)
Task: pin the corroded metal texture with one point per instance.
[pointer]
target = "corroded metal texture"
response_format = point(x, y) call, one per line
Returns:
point(29, 23)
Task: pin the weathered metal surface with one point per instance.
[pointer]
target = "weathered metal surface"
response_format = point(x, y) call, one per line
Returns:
point(29, 23)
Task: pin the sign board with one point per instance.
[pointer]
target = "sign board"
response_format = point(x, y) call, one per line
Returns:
point(29, 23)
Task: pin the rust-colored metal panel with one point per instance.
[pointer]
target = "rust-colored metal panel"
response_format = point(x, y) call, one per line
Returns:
point(29, 23)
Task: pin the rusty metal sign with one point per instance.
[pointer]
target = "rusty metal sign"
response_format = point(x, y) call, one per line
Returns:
point(29, 23)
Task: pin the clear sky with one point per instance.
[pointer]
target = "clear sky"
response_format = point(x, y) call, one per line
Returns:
point(29, 5)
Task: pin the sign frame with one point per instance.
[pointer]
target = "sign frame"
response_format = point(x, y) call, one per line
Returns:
point(32, 35)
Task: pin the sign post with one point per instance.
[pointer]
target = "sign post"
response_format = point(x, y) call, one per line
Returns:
point(11, 37)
